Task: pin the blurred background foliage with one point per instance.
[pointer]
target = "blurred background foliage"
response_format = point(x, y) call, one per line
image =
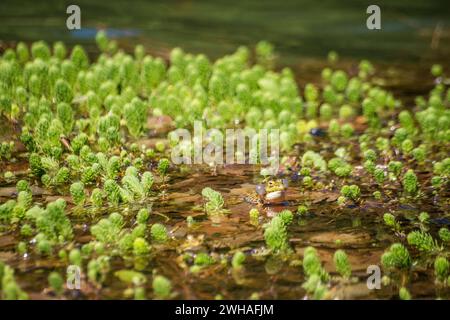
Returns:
point(411, 30)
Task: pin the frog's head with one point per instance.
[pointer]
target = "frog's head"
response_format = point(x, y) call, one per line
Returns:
point(272, 190)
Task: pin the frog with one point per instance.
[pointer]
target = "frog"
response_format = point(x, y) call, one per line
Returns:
point(272, 191)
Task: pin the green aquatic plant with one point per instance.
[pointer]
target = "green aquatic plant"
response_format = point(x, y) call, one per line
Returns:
point(56, 282)
point(142, 216)
point(369, 166)
point(78, 194)
point(23, 54)
point(436, 70)
point(351, 192)
point(302, 210)
point(265, 54)
point(202, 259)
point(112, 167)
point(340, 167)
point(342, 264)
point(36, 165)
point(135, 114)
point(22, 248)
point(90, 174)
point(7, 211)
point(238, 260)
point(347, 130)
point(444, 234)
point(79, 57)
point(308, 182)
point(43, 246)
point(98, 269)
point(442, 167)
point(162, 287)
point(134, 186)
point(59, 50)
point(441, 269)
point(419, 154)
point(407, 146)
point(9, 176)
point(26, 230)
point(333, 57)
point(286, 216)
point(78, 142)
point(395, 167)
point(346, 112)
point(52, 222)
point(147, 182)
point(407, 121)
point(214, 202)
point(424, 217)
point(400, 135)
point(379, 175)
point(131, 277)
point(140, 246)
point(6, 150)
point(396, 257)
point(61, 177)
point(112, 191)
point(101, 40)
point(97, 196)
point(404, 294)
point(377, 195)
point(108, 230)
point(326, 111)
point(254, 214)
point(390, 221)
point(63, 92)
point(410, 182)
point(163, 167)
point(159, 233)
point(437, 182)
point(314, 160)
point(315, 287)
point(339, 80)
point(66, 115)
point(41, 50)
point(312, 265)
point(275, 234)
point(10, 289)
point(334, 128)
point(126, 241)
point(423, 241)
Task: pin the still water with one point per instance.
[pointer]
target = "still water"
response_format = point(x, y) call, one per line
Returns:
point(411, 30)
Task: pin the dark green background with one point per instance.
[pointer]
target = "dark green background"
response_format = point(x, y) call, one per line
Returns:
point(298, 28)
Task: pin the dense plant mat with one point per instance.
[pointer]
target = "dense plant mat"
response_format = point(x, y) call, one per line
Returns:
point(92, 207)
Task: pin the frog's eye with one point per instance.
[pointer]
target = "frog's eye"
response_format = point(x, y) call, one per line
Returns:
point(270, 183)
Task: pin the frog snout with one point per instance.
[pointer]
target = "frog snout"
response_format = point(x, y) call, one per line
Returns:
point(274, 195)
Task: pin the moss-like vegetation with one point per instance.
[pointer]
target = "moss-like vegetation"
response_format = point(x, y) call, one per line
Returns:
point(87, 181)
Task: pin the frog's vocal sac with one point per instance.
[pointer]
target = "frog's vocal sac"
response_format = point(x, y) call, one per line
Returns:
point(271, 192)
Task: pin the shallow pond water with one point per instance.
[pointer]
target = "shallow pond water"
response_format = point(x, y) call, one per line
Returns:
point(413, 35)
point(357, 229)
